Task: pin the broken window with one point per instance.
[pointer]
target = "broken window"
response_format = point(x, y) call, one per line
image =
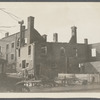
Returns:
point(93, 52)
point(29, 50)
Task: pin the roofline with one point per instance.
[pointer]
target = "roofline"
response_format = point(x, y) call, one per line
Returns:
point(11, 35)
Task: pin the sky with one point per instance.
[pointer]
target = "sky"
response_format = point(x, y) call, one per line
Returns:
point(54, 17)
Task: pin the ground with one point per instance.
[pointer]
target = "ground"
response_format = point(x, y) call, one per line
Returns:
point(75, 88)
point(8, 83)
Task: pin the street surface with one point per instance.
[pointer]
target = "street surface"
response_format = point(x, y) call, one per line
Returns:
point(75, 88)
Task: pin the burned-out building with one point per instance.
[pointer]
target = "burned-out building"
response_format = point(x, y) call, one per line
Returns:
point(29, 50)
point(51, 58)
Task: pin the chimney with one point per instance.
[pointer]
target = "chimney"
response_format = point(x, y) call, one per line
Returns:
point(74, 34)
point(45, 37)
point(30, 28)
point(55, 37)
point(7, 34)
point(21, 32)
point(23, 35)
point(85, 41)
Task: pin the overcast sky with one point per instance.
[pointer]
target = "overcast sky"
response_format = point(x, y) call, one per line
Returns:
point(55, 18)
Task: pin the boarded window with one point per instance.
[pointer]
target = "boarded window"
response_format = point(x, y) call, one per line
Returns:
point(23, 63)
point(29, 50)
point(93, 52)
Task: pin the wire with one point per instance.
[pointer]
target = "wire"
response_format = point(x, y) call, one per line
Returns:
point(7, 26)
point(10, 14)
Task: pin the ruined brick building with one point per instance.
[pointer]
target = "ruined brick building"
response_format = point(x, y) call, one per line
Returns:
point(29, 50)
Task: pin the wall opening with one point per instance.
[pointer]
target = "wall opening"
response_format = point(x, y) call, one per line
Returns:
point(62, 51)
point(18, 52)
point(18, 42)
point(23, 63)
point(29, 50)
point(25, 40)
point(0, 49)
point(93, 52)
point(7, 46)
point(44, 50)
point(12, 45)
point(12, 56)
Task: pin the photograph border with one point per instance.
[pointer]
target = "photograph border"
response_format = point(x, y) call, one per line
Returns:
point(49, 96)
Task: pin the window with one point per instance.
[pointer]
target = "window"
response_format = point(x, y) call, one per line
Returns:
point(76, 52)
point(25, 40)
point(23, 63)
point(93, 52)
point(7, 46)
point(12, 56)
point(18, 52)
point(27, 64)
point(7, 57)
point(62, 51)
point(44, 50)
point(82, 68)
point(13, 67)
point(19, 65)
point(18, 42)
point(29, 50)
point(0, 49)
point(12, 45)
